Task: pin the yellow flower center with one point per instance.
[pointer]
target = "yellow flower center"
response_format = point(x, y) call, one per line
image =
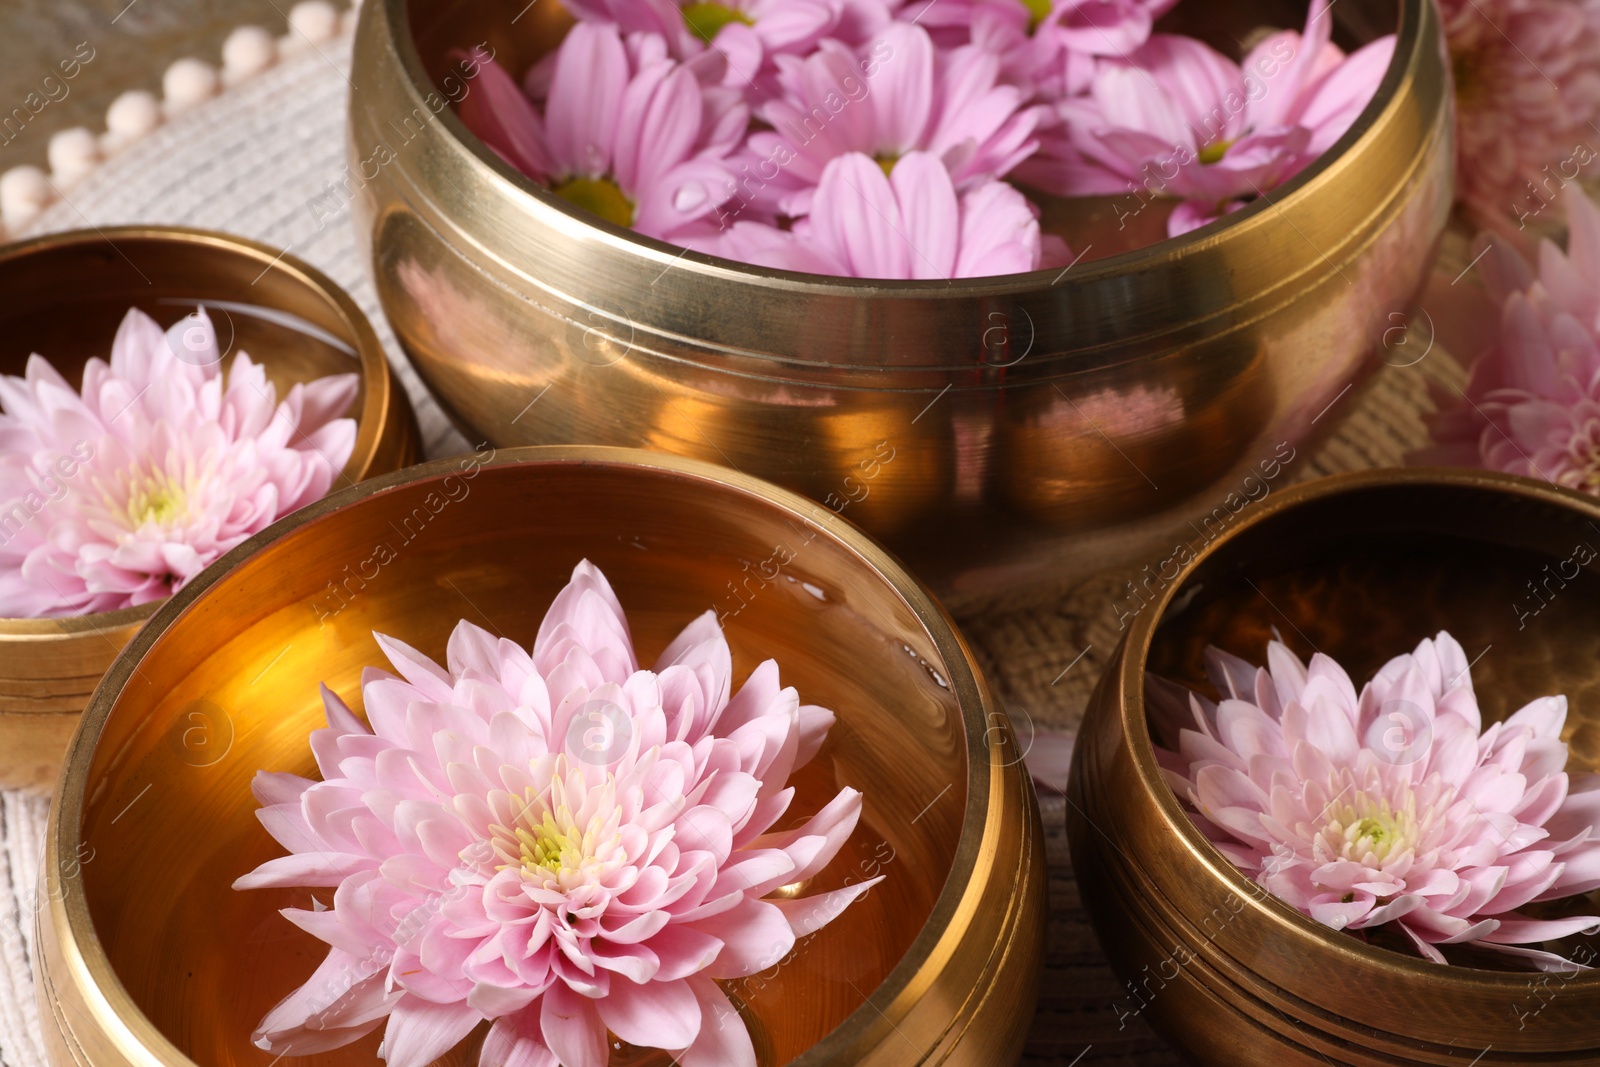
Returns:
point(602, 196)
point(1213, 152)
point(154, 498)
point(887, 160)
point(707, 20)
point(1370, 831)
point(551, 846)
point(1038, 11)
point(547, 842)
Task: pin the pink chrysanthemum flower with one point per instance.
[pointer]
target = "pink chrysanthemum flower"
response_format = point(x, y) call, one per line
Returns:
point(1527, 76)
point(1532, 401)
point(747, 32)
point(1047, 47)
point(120, 495)
point(626, 132)
point(1180, 120)
point(909, 224)
point(556, 841)
point(894, 96)
point(1393, 806)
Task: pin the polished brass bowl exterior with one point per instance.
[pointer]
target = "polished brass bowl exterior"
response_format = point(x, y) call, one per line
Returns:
point(1042, 426)
point(1359, 567)
point(65, 295)
point(149, 958)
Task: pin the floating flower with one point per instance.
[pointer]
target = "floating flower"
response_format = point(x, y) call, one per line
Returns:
point(626, 132)
point(1527, 79)
point(911, 223)
point(1048, 47)
point(747, 32)
point(1532, 401)
point(556, 841)
point(908, 224)
point(895, 96)
point(120, 495)
point(1391, 807)
point(1102, 27)
point(1180, 120)
point(711, 125)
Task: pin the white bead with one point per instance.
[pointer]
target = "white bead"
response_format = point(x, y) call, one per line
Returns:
point(186, 83)
point(72, 153)
point(313, 21)
point(130, 116)
point(248, 51)
point(24, 192)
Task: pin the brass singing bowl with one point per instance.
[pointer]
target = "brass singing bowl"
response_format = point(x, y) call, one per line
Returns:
point(65, 296)
point(1047, 425)
point(148, 957)
point(1360, 567)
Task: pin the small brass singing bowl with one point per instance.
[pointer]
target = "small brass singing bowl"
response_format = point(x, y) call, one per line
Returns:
point(65, 296)
point(150, 958)
point(1047, 425)
point(1360, 567)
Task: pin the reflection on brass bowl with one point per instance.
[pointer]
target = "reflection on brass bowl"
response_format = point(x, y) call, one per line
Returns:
point(65, 295)
point(1246, 330)
point(150, 958)
point(1360, 567)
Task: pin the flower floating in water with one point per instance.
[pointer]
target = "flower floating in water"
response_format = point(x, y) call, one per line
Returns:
point(1393, 806)
point(556, 841)
point(1532, 401)
point(118, 496)
point(745, 31)
point(627, 132)
point(908, 97)
point(1180, 120)
point(907, 224)
point(717, 126)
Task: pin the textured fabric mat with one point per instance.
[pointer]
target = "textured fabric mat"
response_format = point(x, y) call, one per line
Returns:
point(252, 160)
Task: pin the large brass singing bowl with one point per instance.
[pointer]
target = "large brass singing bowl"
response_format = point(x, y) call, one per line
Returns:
point(65, 295)
point(149, 958)
point(1360, 567)
point(1040, 427)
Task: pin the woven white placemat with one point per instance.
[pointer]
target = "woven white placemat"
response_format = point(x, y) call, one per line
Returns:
point(252, 160)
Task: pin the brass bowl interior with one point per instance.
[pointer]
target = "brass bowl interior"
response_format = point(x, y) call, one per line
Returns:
point(1363, 575)
point(230, 686)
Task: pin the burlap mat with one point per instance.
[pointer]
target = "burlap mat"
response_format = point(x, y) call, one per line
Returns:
point(250, 162)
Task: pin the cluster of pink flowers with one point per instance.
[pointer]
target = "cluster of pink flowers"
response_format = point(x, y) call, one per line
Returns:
point(554, 840)
point(1527, 80)
point(118, 495)
point(1391, 806)
point(1532, 401)
point(887, 139)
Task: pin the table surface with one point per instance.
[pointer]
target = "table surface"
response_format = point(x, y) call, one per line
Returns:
point(133, 43)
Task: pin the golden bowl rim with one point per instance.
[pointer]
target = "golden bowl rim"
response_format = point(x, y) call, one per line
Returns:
point(377, 381)
point(546, 207)
point(80, 942)
point(1126, 685)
